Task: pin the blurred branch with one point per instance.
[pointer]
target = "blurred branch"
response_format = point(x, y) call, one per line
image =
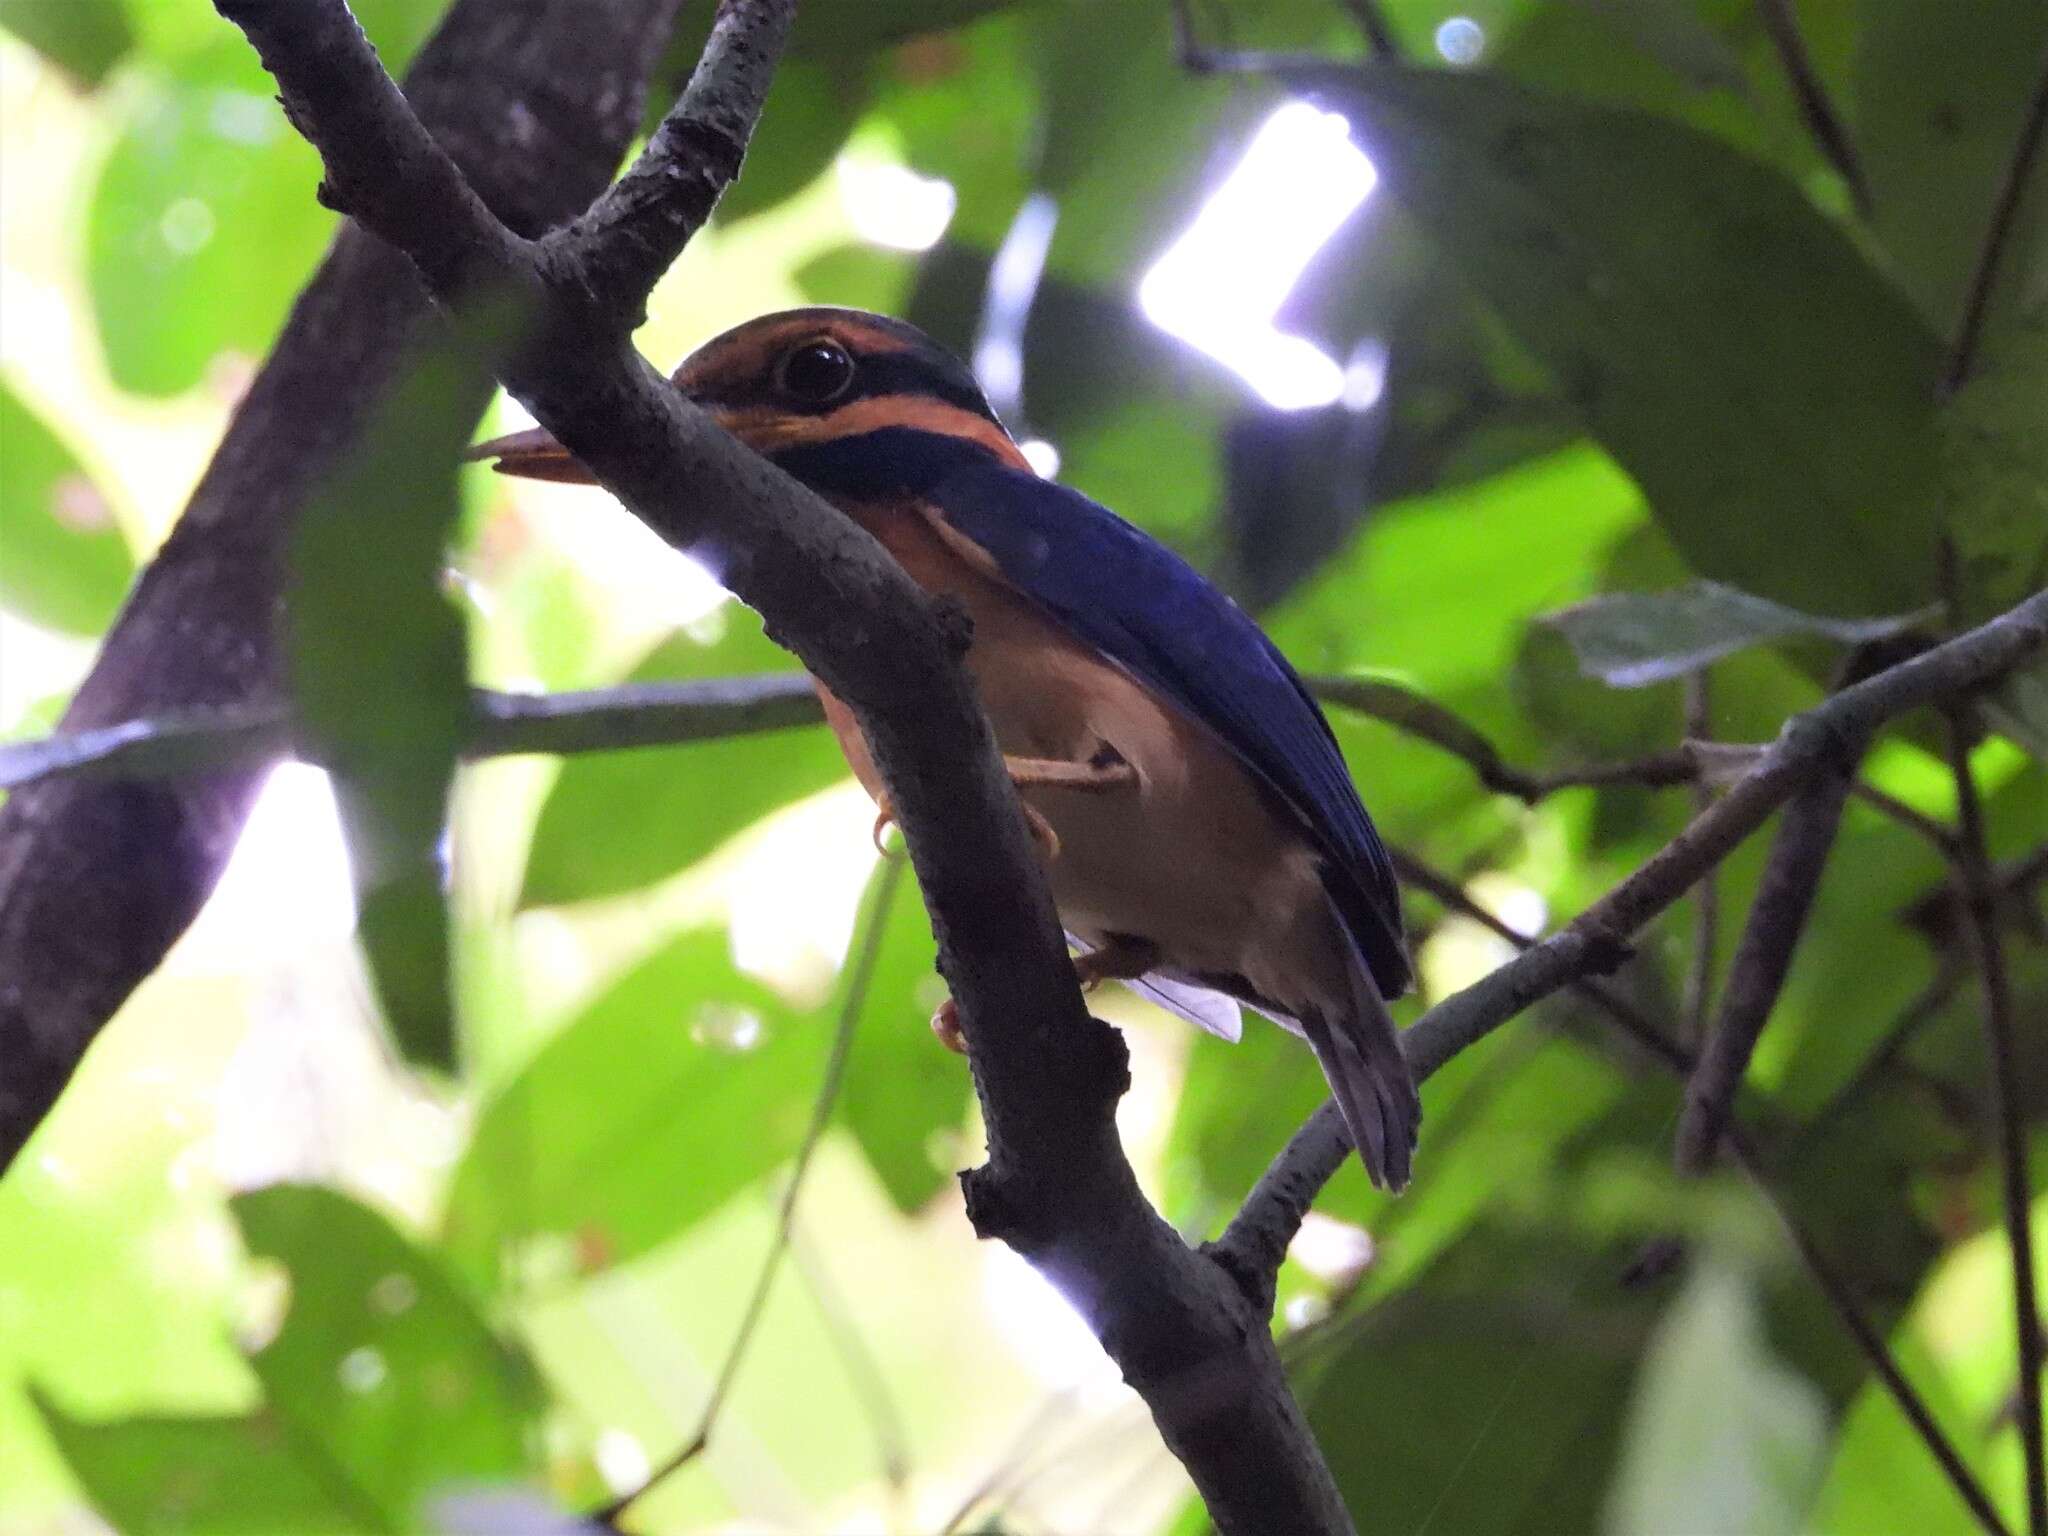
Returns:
point(501, 725)
point(1979, 884)
point(1673, 1056)
point(1763, 959)
point(536, 102)
point(1706, 899)
point(863, 1370)
point(1830, 133)
point(2012, 190)
point(1372, 21)
point(1057, 1186)
point(1826, 739)
point(1925, 1007)
point(859, 974)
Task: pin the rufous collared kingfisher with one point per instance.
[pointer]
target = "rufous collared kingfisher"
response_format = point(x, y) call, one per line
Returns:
point(1202, 835)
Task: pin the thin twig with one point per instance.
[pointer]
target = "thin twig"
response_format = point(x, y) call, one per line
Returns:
point(863, 1371)
point(1830, 734)
point(1763, 959)
point(1980, 900)
point(500, 725)
point(1872, 1343)
point(1925, 1007)
point(1372, 21)
point(861, 971)
point(1829, 132)
point(1924, 826)
point(1962, 352)
point(1698, 997)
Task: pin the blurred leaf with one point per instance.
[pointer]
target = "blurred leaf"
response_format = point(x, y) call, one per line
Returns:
point(1719, 1428)
point(1488, 1398)
point(849, 26)
point(857, 277)
point(810, 110)
point(680, 1086)
point(225, 1477)
point(86, 38)
point(1995, 472)
point(1768, 390)
point(904, 1091)
point(1632, 639)
point(66, 565)
point(617, 821)
point(1939, 99)
point(378, 666)
point(2019, 708)
point(389, 1378)
point(203, 225)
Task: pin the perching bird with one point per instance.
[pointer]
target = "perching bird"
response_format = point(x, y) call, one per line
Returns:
point(1202, 836)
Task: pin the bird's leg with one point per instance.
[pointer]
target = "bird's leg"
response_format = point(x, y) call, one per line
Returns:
point(1123, 958)
point(1106, 770)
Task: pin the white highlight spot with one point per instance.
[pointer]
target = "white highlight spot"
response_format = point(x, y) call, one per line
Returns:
point(1461, 40)
point(1039, 1324)
point(1041, 455)
point(621, 1460)
point(1331, 1249)
point(1220, 284)
point(891, 205)
point(187, 226)
point(362, 1370)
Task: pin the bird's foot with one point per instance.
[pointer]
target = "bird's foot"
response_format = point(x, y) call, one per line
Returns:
point(1041, 831)
point(1123, 958)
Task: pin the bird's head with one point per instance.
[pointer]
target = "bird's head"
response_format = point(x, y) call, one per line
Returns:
point(804, 378)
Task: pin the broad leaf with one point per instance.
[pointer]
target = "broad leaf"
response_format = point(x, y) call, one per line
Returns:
point(1719, 1428)
point(227, 1477)
point(65, 564)
point(1631, 639)
point(1769, 390)
point(85, 38)
point(621, 820)
point(675, 1090)
point(390, 1378)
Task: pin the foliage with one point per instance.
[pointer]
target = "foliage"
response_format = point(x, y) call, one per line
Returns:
point(1657, 402)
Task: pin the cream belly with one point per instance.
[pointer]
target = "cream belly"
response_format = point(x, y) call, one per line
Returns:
point(1192, 858)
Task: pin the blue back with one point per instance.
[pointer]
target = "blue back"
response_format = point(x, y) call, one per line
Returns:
point(1163, 622)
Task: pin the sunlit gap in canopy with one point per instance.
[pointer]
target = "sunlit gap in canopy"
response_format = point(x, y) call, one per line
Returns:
point(1219, 286)
point(1013, 279)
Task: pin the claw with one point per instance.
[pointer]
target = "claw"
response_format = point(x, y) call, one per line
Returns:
point(1042, 833)
point(885, 818)
point(946, 1025)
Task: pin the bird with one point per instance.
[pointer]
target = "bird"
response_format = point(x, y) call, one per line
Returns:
point(1199, 827)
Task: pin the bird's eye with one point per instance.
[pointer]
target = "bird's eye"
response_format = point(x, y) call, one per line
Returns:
point(816, 373)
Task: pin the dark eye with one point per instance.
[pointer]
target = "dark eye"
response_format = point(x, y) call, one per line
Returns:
point(816, 373)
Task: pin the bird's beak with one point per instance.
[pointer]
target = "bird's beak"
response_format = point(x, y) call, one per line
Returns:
point(532, 455)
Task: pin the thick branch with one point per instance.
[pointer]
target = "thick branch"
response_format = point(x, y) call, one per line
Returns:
point(536, 101)
point(1763, 959)
point(1826, 739)
point(1057, 1186)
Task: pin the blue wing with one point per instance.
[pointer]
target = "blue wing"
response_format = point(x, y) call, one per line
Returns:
point(1153, 614)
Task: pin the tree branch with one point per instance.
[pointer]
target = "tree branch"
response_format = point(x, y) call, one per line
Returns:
point(1763, 959)
point(1980, 902)
point(1829, 132)
point(1826, 739)
point(1057, 1186)
point(536, 102)
point(500, 725)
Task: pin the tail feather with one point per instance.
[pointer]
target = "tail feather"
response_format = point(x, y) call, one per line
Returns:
point(1360, 1054)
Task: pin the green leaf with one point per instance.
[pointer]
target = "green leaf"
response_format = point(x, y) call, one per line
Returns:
point(66, 564)
point(86, 38)
point(378, 664)
point(202, 225)
point(1632, 639)
point(1719, 1428)
point(385, 1370)
point(225, 1477)
point(903, 1093)
point(617, 821)
point(1995, 472)
point(679, 1087)
point(1768, 389)
point(1940, 95)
